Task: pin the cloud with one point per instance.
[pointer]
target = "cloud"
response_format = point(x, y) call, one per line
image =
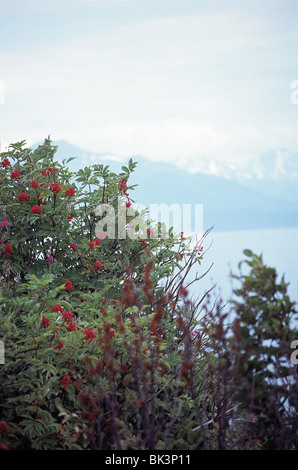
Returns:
point(182, 142)
point(181, 88)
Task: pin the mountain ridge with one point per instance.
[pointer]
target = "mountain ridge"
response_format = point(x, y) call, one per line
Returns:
point(228, 203)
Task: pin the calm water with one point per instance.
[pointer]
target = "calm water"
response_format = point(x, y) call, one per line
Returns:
point(225, 249)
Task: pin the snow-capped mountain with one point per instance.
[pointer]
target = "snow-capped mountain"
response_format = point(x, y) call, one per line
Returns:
point(274, 173)
point(276, 164)
point(263, 194)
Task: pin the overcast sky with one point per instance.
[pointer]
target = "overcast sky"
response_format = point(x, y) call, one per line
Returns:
point(172, 80)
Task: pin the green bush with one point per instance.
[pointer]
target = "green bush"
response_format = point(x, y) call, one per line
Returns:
point(103, 347)
point(72, 296)
point(265, 327)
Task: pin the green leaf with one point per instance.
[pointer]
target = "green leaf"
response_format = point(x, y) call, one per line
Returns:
point(248, 253)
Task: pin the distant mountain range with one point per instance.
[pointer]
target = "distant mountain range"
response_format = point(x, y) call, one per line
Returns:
point(262, 194)
point(274, 174)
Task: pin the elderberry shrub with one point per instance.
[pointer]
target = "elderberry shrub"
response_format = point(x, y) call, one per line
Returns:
point(72, 293)
point(104, 348)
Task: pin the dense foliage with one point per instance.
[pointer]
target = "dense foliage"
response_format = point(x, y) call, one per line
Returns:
point(103, 347)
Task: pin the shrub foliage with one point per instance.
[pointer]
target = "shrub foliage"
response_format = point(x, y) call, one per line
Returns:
point(104, 349)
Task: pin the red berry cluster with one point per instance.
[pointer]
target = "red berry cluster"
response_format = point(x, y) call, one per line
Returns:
point(23, 197)
point(15, 175)
point(65, 382)
point(8, 250)
point(5, 162)
point(55, 188)
point(36, 210)
point(68, 285)
point(96, 266)
point(45, 322)
point(70, 192)
point(44, 172)
point(89, 334)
